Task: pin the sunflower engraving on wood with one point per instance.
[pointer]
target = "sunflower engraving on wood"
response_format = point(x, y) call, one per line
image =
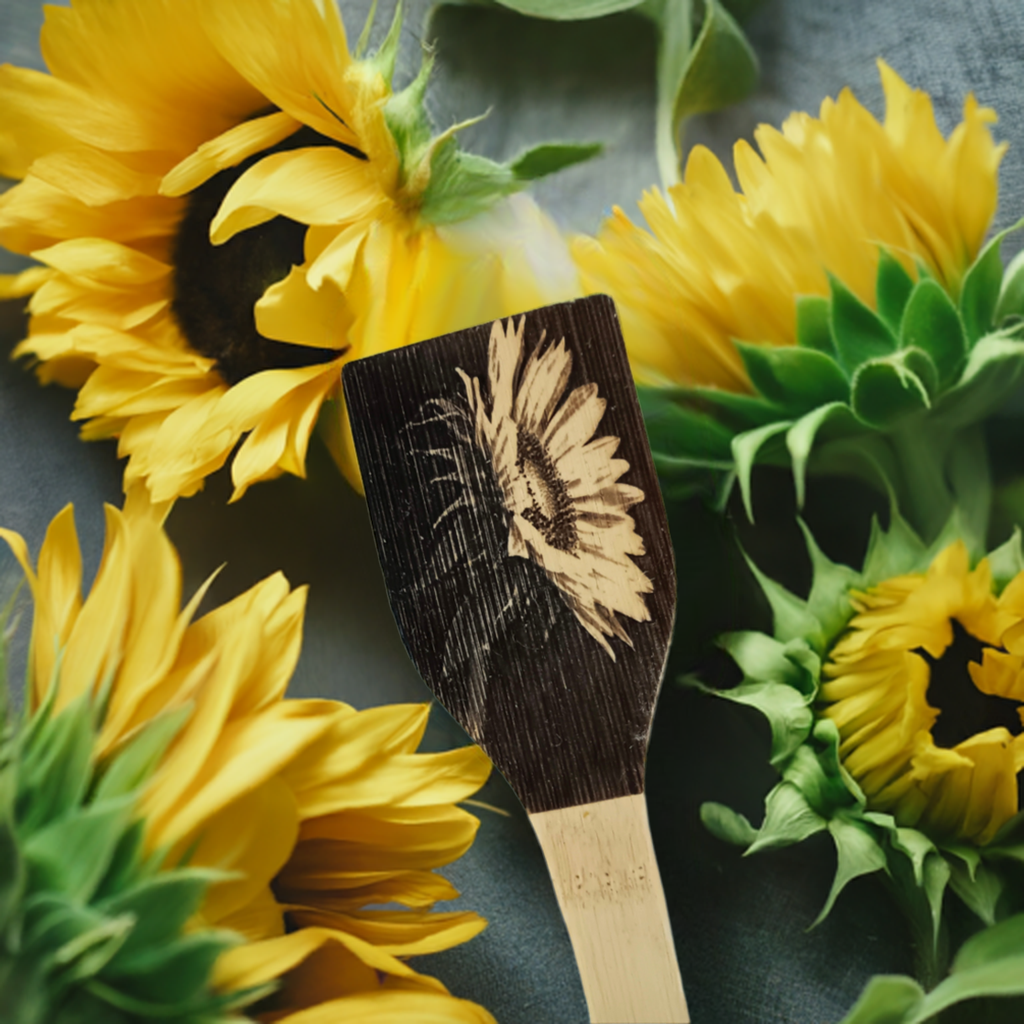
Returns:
point(523, 540)
point(560, 484)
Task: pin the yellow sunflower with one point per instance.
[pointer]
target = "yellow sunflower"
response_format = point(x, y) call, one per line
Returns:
point(171, 162)
point(825, 195)
point(317, 812)
point(943, 635)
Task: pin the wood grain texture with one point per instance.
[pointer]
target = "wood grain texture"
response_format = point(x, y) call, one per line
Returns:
point(544, 681)
point(492, 635)
point(606, 879)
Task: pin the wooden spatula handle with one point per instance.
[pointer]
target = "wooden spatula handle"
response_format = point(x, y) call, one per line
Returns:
point(605, 874)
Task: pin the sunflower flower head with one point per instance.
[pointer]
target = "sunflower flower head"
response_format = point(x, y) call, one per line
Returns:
point(896, 705)
point(841, 298)
point(226, 203)
point(235, 846)
point(568, 509)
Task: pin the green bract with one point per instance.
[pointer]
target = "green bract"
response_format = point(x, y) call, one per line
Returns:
point(894, 397)
point(781, 679)
point(92, 926)
point(444, 183)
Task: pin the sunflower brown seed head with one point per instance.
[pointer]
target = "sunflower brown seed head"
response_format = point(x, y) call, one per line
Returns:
point(552, 511)
point(216, 287)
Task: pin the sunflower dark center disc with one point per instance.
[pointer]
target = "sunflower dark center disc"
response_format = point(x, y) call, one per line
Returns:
point(964, 711)
point(216, 286)
point(552, 512)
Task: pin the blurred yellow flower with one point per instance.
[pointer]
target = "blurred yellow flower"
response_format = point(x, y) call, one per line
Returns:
point(319, 811)
point(171, 163)
point(824, 195)
point(942, 635)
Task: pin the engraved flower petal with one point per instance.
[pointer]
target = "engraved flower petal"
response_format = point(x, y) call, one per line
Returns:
point(560, 483)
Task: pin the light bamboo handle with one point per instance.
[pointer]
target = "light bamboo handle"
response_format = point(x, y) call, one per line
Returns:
point(605, 874)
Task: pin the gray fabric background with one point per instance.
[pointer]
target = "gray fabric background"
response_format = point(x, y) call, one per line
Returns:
point(740, 925)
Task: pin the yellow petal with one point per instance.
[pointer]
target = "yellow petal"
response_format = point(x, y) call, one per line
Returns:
point(291, 310)
point(17, 286)
point(228, 150)
point(320, 185)
point(304, 79)
point(96, 642)
point(104, 262)
point(93, 176)
point(252, 836)
point(393, 1008)
point(154, 64)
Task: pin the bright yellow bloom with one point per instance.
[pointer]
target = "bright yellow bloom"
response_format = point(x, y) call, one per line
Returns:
point(153, 115)
point(320, 811)
point(878, 678)
point(821, 199)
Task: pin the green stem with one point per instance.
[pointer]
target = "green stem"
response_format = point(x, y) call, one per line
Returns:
point(931, 951)
point(674, 25)
point(924, 495)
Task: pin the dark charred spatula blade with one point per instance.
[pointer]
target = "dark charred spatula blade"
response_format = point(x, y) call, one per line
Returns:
point(528, 563)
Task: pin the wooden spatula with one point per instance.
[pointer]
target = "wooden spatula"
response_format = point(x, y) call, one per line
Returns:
point(528, 562)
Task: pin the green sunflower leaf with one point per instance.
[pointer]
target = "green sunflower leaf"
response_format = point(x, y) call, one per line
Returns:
point(88, 953)
point(725, 824)
point(788, 819)
point(916, 846)
point(720, 69)
point(745, 450)
point(133, 764)
point(994, 368)
point(792, 619)
point(829, 599)
point(55, 767)
point(800, 438)
point(161, 906)
point(990, 963)
point(51, 920)
point(126, 867)
point(175, 974)
point(887, 999)
point(1002, 941)
point(695, 75)
point(858, 853)
point(890, 388)
point(737, 412)
point(569, 10)
point(551, 157)
point(764, 658)
point(12, 874)
point(819, 774)
point(789, 717)
point(1011, 292)
point(892, 552)
point(932, 324)
point(980, 890)
point(796, 379)
point(858, 332)
point(893, 286)
point(676, 430)
point(813, 330)
point(92, 834)
point(980, 293)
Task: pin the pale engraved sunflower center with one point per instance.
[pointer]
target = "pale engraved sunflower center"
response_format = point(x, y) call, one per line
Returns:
point(552, 512)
